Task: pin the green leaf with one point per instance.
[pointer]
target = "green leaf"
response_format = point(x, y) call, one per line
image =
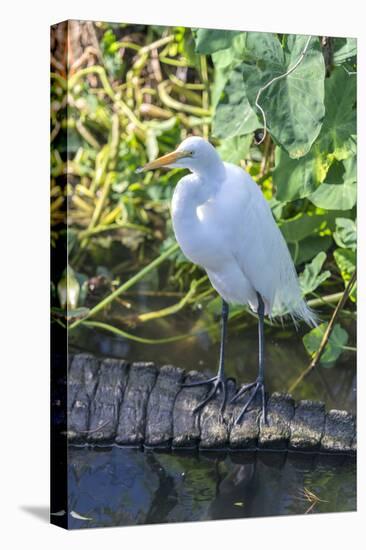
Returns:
point(335, 197)
point(345, 233)
point(224, 62)
point(234, 115)
point(294, 105)
point(340, 115)
point(276, 207)
point(346, 261)
point(344, 49)
point(297, 178)
point(312, 277)
point(303, 225)
point(235, 149)
point(340, 195)
point(334, 347)
point(350, 170)
point(306, 249)
point(210, 40)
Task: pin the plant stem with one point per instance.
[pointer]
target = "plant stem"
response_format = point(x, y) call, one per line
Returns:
point(170, 310)
point(128, 284)
point(123, 225)
point(330, 299)
point(177, 105)
point(315, 360)
point(119, 332)
point(205, 92)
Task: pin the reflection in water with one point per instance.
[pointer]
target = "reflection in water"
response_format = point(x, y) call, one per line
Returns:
point(129, 487)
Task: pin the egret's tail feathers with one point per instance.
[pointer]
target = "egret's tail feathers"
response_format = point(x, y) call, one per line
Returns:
point(298, 311)
point(302, 312)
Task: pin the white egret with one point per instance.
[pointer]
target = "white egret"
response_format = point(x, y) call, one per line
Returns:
point(223, 223)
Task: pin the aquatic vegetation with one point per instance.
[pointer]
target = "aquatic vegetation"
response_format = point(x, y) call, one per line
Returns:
point(124, 94)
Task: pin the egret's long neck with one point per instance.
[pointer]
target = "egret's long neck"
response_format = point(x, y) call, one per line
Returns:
point(191, 192)
point(194, 190)
point(211, 171)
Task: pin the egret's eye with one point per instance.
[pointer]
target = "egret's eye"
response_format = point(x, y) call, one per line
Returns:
point(190, 153)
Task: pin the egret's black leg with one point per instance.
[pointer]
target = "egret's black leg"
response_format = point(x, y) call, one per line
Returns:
point(258, 385)
point(219, 382)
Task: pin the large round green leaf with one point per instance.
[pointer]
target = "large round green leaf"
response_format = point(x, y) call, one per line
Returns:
point(294, 105)
point(335, 197)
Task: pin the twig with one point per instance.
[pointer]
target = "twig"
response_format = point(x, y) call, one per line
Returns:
point(314, 362)
point(261, 90)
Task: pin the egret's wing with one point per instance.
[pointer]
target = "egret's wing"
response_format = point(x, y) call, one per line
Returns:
point(258, 247)
point(262, 253)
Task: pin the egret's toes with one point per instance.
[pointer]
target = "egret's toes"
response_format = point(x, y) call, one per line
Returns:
point(242, 391)
point(258, 387)
point(219, 384)
point(199, 383)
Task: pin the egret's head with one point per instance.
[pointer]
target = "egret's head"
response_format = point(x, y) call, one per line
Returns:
point(194, 153)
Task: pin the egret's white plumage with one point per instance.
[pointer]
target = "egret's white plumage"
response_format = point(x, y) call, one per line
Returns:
point(223, 223)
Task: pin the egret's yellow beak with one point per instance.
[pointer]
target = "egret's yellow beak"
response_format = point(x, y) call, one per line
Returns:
point(165, 160)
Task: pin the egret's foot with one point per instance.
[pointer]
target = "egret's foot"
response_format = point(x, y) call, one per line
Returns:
point(219, 383)
point(258, 387)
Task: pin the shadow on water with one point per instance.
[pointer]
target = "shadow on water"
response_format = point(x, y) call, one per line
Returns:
point(110, 487)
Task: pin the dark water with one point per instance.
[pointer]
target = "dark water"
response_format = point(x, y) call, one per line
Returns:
point(127, 487)
point(131, 487)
